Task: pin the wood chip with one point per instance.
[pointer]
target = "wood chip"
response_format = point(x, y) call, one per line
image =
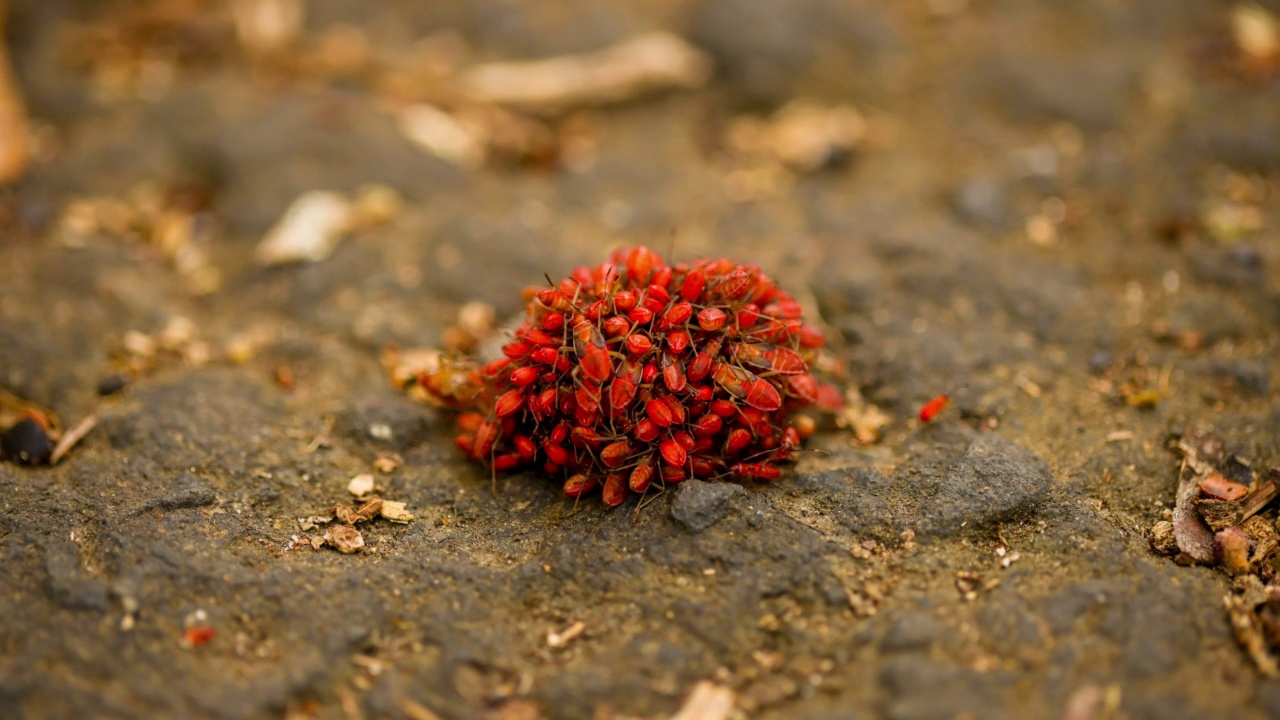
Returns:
point(309, 231)
point(456, 140)
point(71, 437)
point(369, 510)
point(414, 711)
point(708, 701)
point(613, 74)
point(1260, 496)
point(564, 637)
point(396, 512)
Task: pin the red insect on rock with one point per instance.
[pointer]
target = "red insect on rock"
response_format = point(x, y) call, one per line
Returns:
point(636, 374)
point(934, 406)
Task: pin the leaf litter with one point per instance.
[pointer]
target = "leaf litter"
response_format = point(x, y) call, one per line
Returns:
point(1224, 518)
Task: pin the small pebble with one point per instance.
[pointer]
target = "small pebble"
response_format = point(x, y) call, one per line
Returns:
point(112, 384)
point(26, 443)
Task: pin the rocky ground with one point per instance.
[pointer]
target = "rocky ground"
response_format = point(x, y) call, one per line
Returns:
point(1065, 214)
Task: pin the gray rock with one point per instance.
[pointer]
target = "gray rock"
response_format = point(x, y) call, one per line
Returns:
point(698, 505)
point(387, 420)
point(858, 498)
point(190, 492)
point(1251, 376)
point(68, 584)
point(1090, 90)
point(991, 480)
point(914, 630)
point(764, 55)
point(923, 689)
point(983, 200)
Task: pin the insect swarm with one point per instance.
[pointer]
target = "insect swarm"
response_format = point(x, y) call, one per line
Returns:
point(638, 374)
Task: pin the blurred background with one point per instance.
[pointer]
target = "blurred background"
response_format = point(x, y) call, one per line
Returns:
point(864, 149)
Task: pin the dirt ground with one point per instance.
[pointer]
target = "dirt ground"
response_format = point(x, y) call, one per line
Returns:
point(1055, 207)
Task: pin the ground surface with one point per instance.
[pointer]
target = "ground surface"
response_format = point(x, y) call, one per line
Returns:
point(1114, 123)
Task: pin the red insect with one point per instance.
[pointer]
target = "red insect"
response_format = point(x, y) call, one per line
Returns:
point(759, 471)
point(579, 485)
point(673, 373)
point(934, 406)
point(588, 343)
point(615, 490)
point(672, 452)
point(198, 635)
point(509, 404)
point(762, 395)
point(711, 319)
point(635, 372)
point(622, 391)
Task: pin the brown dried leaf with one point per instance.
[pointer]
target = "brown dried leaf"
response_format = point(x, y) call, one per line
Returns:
point(344, 514)
point(1189, 529)
point(1217, 486)
point(1242, 609)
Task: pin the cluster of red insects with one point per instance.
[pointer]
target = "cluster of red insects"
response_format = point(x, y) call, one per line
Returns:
point(637, 373)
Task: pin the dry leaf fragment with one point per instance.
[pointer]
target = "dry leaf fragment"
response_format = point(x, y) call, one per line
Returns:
point(1216, 486)
point(396, 512)
point(1243, 610)
point(1189, 528)
point(311, 523)
point(387, 463)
